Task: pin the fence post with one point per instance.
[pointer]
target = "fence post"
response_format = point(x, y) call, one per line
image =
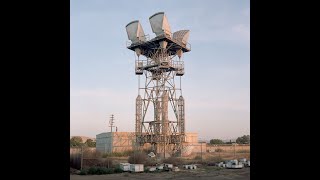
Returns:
point(234, 150)
point(134, 154)
point(201, 151)
point(81, 157)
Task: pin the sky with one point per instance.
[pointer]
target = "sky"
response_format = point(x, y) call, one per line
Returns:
point(216, 83)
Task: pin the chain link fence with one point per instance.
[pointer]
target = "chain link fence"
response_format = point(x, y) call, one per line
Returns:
point(84, 157)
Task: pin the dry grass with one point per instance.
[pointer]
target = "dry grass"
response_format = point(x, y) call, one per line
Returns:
point(174, 160)
point(101, 162)
point(141, 157)
point(87, 153)
point(138, 157)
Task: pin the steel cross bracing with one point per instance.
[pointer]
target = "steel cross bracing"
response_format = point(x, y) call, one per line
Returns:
point(160, 70)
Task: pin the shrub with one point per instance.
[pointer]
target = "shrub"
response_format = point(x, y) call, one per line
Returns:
point(150, 162)
point(92, 170)
point(105, 155)
point(88, 153)
point(98, 171)
point(109, 171)
point(197, 158)
point(105, 163)
point(137, 157)
point(101, 170)
point(83, 172)
point(127, 153)
point(117, 169)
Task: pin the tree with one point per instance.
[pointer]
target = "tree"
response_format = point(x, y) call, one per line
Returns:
point(76, 141)
point(216, 141)
point(230, 142)
point(90, 143)
point(245, 139)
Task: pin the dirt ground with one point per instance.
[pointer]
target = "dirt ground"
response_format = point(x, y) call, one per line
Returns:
point(201, 173)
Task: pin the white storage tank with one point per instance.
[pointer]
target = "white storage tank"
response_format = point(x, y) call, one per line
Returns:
point(160, 167)
point(191, 166)
point(125, 166)
point(168, 165)
point(151, 169)
point(238, 166)
point(136, 168)
point(248, 163)
point(243, 160)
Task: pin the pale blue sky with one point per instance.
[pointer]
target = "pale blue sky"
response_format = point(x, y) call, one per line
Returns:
point(216, 85)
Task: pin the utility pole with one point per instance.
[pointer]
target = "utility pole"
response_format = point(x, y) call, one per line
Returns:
point(111, 121)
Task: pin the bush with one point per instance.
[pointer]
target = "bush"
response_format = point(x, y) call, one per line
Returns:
point(150, 162)
point(148, 150)
point(137, 157)
point(102, 170)
point(109, 171)
point(92, 170)
point(197, 158)
point(127, 153)
point(98, 171)
point(107, 162)
point(118, 169)
point(83, 172)
point(88, 153)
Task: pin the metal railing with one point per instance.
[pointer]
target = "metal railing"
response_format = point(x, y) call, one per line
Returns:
point(147, 37)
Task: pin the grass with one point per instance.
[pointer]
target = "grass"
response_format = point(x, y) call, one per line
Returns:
point(210, 168)
point(215, 159)
point(174, 160)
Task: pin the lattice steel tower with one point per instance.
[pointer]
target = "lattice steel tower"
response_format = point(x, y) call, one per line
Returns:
point(162, 66)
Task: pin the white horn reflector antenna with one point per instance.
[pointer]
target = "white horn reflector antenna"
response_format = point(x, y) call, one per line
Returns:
point(182, 36)
point(135, 32)
point(159, 24)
